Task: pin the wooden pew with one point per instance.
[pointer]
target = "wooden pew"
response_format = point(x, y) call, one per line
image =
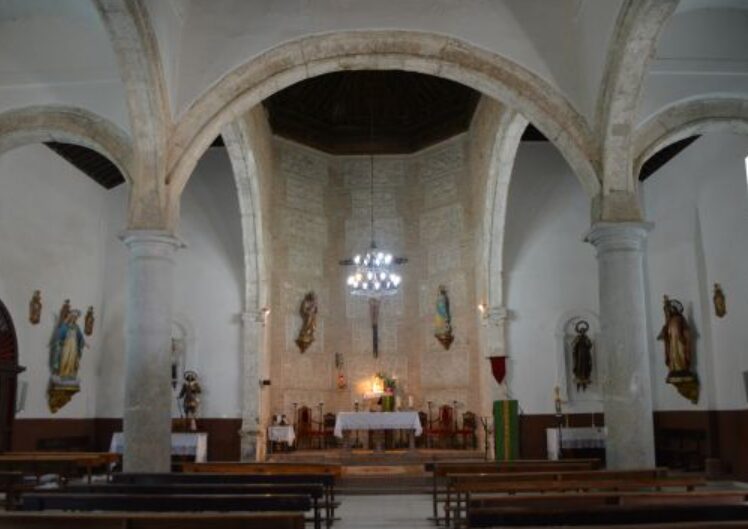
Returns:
point(233, 467)
point(607, 515)
point(326, 480)
point(63, 464)
point(151, 520)
point(11, 484)
point(314, 491)
point(463, 486)
point(440, 469)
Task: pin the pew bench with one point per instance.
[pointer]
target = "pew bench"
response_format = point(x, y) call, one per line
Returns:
point(326, 480)
point(314, 491)
point(62, 464)
point(440, 469)
point(11, 485)
point(150, 520)
point(464, 486)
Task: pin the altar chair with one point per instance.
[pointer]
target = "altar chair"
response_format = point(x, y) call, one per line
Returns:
point(468, 430)
point(422, 440)
point(442, 428)
point(307, 429)
point(329, 439)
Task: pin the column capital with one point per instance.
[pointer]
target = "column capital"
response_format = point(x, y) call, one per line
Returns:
point(254, 316)
point(618, 236)
point(495, 315)
point(133, 238)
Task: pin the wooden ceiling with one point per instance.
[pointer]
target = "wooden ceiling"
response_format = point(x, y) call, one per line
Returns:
point(89, 162)
point(372, 112)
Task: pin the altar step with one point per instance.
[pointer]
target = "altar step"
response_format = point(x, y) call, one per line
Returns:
point(353, 458)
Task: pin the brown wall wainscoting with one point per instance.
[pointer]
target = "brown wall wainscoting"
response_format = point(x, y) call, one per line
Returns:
point(223, 434)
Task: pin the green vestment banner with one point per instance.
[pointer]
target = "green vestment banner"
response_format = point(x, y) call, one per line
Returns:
point(506, 429)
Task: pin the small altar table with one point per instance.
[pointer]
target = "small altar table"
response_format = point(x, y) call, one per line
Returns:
point(182, 444)
point(280, 434)
point(386, 420)
point(574, 439)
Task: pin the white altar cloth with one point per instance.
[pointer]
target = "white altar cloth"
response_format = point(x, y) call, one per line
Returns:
point(182, 444)
point(574, 438)
point(386, 420)
point(281, 434)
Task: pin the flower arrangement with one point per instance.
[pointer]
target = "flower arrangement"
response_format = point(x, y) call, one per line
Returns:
point(389, 383)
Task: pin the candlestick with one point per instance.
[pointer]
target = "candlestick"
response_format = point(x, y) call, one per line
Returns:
point(410, 401)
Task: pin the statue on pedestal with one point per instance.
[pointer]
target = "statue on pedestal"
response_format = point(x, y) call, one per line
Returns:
point(443, 319)
point(308, 313)
point(676, 334)
point(190, 397)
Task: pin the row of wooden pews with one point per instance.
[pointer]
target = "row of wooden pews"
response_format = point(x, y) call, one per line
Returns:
point(280, 495)
point(63, 465)
point(534, 494)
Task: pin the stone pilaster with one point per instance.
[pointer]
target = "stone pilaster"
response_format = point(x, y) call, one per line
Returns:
point(623, 344)
point(252, 431)
point(494, 344)
point(148, 319)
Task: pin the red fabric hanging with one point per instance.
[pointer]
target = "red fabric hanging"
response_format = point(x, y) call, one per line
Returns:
point(498, 367)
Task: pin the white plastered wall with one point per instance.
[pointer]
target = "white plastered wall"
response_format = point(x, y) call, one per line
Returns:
point(53, 230)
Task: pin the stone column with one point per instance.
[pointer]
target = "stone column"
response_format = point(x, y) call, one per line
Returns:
point(148, 319)
point(623, 345)
point(252, 432)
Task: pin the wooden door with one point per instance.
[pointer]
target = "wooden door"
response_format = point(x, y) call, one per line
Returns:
point(9, 370)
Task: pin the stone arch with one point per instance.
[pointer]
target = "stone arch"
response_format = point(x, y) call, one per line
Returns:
point(489, 73)
point(689, 117)
point(38, 124)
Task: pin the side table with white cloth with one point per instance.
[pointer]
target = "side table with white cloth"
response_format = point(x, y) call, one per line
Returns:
point(281, 434)
point(386, 420)
point(589, 438)
point(194, 444)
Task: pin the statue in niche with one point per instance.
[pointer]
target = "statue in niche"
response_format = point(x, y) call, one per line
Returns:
point(308, 313)
point(443, 319)
point(720, 305)
point(66, 350)
point(35, 308)
point(582, 356)
point(189, 396)
point(676, 334)
point(88, 322)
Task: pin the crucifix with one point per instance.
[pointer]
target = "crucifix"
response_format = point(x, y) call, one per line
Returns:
point(374, 313)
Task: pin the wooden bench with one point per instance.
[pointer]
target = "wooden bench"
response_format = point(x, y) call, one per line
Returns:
point(326, 480)
point(233, 467)
point(606, 515)
point(150, 520)
point(463, 486)
point(63, 464)
point(315, 492)
point(440, 469)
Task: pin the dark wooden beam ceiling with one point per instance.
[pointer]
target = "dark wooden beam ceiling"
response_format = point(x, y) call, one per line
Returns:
point(663, 156)
point(89, 162)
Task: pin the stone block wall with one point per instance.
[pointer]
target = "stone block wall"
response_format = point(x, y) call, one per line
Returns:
point(321, 214)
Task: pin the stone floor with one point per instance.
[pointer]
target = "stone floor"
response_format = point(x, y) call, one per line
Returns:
point(382, 511)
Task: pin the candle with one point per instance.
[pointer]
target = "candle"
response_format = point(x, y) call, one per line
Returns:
point(410, 401)
point(398, 402)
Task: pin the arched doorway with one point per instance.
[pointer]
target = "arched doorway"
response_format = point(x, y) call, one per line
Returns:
point(9, 370)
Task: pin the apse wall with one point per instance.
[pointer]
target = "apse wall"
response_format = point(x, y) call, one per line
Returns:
point(699, 206)
point(550, 275)
point(53, 228)
point(320, 215)
point(208, 290)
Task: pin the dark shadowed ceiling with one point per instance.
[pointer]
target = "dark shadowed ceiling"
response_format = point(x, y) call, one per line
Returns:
point(372, 112)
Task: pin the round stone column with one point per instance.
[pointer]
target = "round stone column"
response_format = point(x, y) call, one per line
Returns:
point(622, 347)
point(148, 319)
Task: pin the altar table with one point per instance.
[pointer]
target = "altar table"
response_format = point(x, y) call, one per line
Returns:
point(574, 439)
point(281, 434)
point(182, 444)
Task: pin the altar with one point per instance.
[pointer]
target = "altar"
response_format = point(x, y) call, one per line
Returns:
point(575, 439)
point(183, 444)
point(386, 420)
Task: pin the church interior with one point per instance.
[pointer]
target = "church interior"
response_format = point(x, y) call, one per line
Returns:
point(373, 264)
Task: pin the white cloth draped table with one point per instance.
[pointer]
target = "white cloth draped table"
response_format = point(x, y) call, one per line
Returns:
point(574, 438)
point(182, 444)
point(387, 420)
point(281, 434)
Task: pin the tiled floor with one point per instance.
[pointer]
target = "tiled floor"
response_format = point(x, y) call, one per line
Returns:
point(369, 512)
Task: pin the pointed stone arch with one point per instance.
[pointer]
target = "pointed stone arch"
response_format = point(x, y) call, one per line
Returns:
point(489, 73)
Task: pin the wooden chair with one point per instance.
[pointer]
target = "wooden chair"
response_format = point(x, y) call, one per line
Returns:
point(328, 424)
point(442, 428)
point(468, 430)
point(422, 440)
point(307, 429)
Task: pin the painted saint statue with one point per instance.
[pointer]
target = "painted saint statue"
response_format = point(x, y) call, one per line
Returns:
point(66, 350)
point(676, 334)
point(443, 319)
point(582, 356)
point(308, 313)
